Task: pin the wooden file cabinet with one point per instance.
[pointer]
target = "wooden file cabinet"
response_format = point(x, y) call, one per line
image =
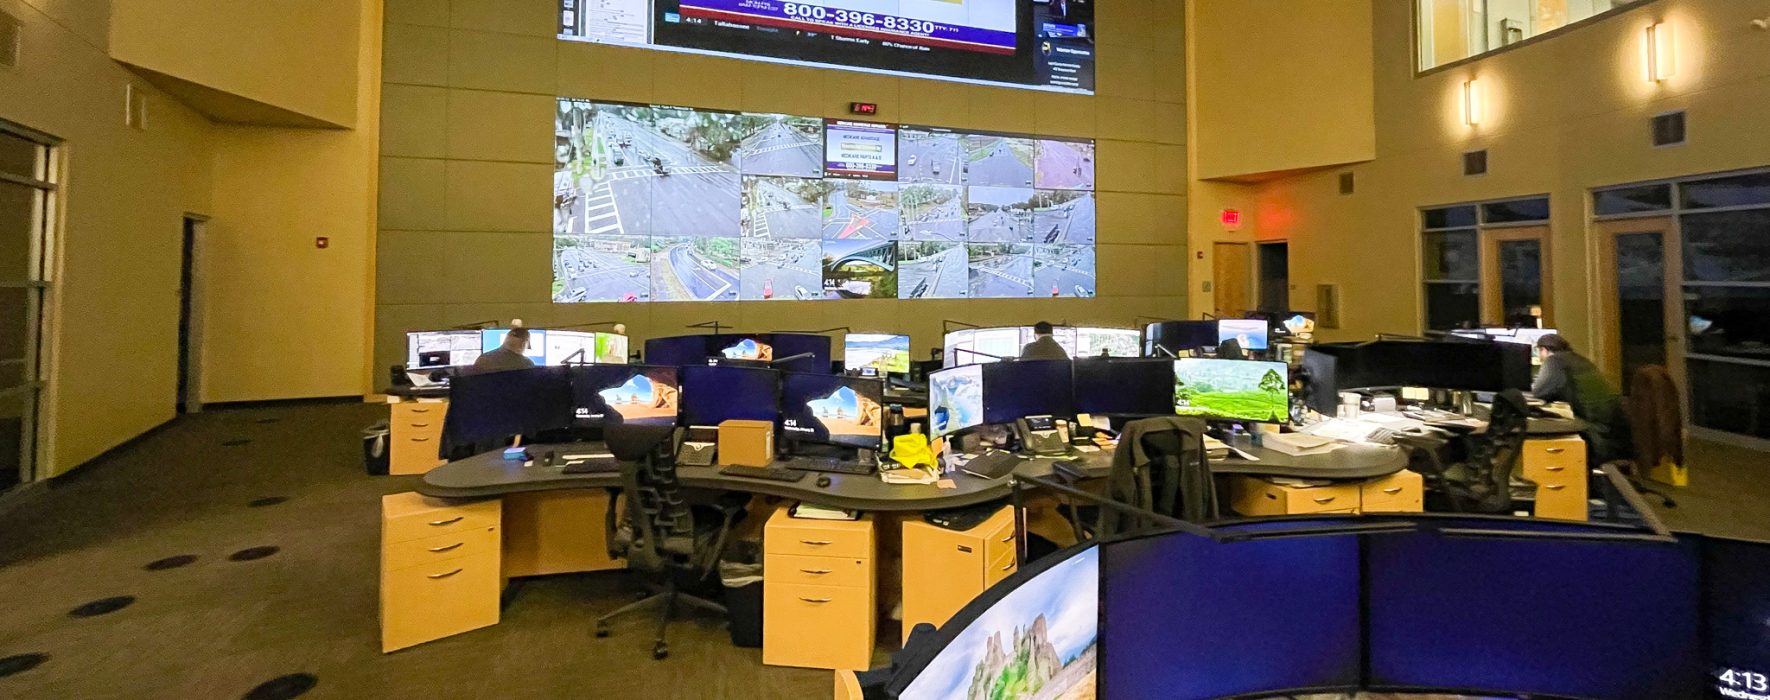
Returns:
point(1401, 492)
point(1558, 467)
point(945, 569)
point(818, 589)
point(414, 431)
point(556, 532)
point(440, 572)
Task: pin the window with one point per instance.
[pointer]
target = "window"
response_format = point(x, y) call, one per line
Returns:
point(1632, 200)
point(27, 193)
point(1452, 30)
point(1485, 264)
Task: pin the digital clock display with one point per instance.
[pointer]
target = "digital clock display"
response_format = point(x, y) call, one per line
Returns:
point(1737, 598)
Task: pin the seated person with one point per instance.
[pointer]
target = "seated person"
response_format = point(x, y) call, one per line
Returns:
point(1568, 376)
point(1043, 346)
point(507, 356)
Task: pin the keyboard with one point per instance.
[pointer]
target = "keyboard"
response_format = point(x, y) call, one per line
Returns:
point(832, 465)
point(769, 473)
point(593, 466)
point(991, 464)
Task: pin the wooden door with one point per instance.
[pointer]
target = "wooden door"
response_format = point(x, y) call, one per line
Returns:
point(1515, 272)
point(1640, 319)
point(1230, 268)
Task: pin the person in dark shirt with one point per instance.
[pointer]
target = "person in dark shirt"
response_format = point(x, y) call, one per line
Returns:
point(1043, 346)
point(507, 356)
point(1568, 376)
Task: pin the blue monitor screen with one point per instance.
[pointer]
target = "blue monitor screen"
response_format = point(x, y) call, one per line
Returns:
point(1588, 619)
point(490, 339)
point(678, 351)
point(1124, 387)
point(497, 405)
point(1027, 388)
point(955, 399)
point(1250, 333)
point(1184, 617)
point(1736, 596)
point(791, 344)
point(713, 395)
point(833, 409)
point(1178, 337)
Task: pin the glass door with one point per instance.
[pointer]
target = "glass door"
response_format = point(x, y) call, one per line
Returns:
point(1639, 320)
point(1515, 279)
point(26, 201)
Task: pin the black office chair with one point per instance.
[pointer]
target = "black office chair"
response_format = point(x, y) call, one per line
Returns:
point(1482, 482)
point(660, 539)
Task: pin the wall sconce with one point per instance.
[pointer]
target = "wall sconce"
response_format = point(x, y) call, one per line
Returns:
point(1472, 102)
point(1661, 53)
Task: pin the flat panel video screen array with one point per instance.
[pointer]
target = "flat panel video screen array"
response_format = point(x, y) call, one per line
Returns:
point(659, 203)
point(1038, 44)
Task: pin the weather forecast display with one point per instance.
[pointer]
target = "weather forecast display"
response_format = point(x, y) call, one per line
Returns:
point(656, 203)
point(1042, 44)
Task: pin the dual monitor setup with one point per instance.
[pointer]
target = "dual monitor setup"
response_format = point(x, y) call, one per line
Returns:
point(981, 345)
point(1253, 334)
point(969, 396)
point(1423, 604)
point(460, 347)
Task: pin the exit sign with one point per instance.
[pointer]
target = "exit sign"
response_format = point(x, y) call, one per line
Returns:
point(863, 108)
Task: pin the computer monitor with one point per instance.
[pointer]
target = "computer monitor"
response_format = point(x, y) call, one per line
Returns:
point(1232, 389)
point(882, 352)
point(1533, 615)
point(1024, 388)
point(1187, 618)
point(955, 399)
point(1124, 387)
point(810, 352)
point(644, 394)
point(971, 346)
point(1292, 323)
point(1521, 336)
point(1036, 632)
point(713, 395)
point(833, 410)
point(1178, 337)
point(576, 346)
point(435, 349)
point(611, 348)
point(494, 406)
point(743, 347)
point(1112, 342)
point(1249, 333)
point(1736, 600)
point(680, 350)
point(491, 338)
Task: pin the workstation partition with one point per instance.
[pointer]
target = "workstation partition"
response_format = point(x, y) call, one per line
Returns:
point(1419, 604)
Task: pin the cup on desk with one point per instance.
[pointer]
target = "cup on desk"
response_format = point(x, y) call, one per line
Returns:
point(1349, 405)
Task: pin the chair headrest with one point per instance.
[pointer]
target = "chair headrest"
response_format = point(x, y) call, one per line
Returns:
point(631, 442)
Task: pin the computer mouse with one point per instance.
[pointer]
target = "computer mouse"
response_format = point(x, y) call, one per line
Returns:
point(823, 480)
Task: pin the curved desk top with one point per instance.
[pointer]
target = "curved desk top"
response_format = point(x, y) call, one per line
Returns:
point(490, 475)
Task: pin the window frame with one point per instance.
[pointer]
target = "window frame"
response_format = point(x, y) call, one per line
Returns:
point(39, 284)
point(1417, 46)
point(1487, 238)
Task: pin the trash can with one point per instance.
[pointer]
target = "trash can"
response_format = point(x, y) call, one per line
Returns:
point(743, 601)
point(375, 441)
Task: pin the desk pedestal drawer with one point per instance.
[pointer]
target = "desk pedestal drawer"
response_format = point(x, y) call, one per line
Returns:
point(414, 431)
point(439, 548)
point(1253, 496)
point(1401, 492)
point(817, 626)
point(432, 601)
point(1558, 467)
point(793, 569)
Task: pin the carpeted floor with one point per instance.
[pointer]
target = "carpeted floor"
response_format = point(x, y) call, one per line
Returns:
point(217, 628)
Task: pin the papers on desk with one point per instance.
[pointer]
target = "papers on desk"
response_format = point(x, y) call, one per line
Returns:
point(808, 511)
point(1343, 430)
point(907, 476)
point(1215, 449)
point(1299, 444)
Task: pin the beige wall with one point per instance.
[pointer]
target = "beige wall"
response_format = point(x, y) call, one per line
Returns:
point(283, 318)
point(1278, 85)
point(1564, 115)
point(114, 320)
point(466, 171)
point(297, 56)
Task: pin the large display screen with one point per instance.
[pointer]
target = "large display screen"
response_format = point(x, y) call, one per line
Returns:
point(656, 203)
point(1038, 641)
point(1040, 44)
point(1232, 389)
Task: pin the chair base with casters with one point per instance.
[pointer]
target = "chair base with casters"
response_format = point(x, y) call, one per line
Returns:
point(666, 597)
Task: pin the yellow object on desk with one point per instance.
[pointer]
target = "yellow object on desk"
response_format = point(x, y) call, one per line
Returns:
point(748, 443)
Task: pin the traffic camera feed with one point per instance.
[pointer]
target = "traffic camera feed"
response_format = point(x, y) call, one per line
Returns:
point(1037, 44)
point(656, 203)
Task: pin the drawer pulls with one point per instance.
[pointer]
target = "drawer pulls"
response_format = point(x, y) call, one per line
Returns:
point(420, 425)
point(1554, 469)
point(1324, 500)
point(416, 438)
point(815, 572)
point(450, 521)
point(445, 574)
point(1009, 567)
point(1554, 487)
point(815, 600)
point(1392, 490)
point(1009, 538)
point(1554, 450)
point(446, 547)
point(816, 543)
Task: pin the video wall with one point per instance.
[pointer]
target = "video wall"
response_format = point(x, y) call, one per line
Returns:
point(1042, 44)
point(655, 203)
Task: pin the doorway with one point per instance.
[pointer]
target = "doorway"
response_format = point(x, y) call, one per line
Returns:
point(28, 212)
point(1230, 268)
point(1640, 321)
point(189, 398)
point(1516, 265)
point(1275, 276)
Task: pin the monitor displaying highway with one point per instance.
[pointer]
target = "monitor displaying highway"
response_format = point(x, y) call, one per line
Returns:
point(656, 203)
point(1037, 44)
